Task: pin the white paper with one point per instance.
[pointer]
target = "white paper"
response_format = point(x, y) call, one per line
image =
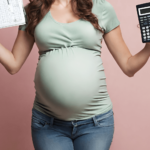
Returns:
point(12, 13)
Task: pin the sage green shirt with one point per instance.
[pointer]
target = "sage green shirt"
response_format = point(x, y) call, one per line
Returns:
point(70, 81)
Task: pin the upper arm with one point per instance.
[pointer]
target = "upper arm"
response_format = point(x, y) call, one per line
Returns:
point(22, 46)
point(113, 37)
point(117, 47)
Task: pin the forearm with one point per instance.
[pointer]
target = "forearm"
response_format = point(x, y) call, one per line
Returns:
point(7, 59)
point(137, 61)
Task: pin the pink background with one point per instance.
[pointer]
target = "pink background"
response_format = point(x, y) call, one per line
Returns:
point(130, 96)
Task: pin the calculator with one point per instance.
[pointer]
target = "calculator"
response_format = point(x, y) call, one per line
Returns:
point(143, 11)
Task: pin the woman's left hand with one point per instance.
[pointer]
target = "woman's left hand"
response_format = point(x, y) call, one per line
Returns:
point(148, 43)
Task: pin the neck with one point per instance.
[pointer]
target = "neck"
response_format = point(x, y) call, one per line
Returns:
point(62, 2)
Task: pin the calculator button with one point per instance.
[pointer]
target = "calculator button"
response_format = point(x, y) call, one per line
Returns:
point(144, 34)
point(147, 33)
point(144, 37)
point(145, 17)
point(143, 30)
point(143, 27)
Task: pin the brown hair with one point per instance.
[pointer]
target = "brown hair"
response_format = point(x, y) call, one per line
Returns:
point(37, 9)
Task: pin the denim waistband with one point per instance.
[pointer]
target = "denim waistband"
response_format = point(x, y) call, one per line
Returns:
point(51, 120)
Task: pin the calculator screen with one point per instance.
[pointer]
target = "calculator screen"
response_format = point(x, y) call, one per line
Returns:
point(145, 10)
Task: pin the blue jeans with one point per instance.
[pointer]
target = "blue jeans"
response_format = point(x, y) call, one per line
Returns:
point(49, 133)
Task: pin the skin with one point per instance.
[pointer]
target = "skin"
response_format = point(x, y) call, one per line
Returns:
point(62, 12)
point(128, 63)
point(13, 60)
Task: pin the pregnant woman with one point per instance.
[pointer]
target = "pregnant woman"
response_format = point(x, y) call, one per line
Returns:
point(72, 109)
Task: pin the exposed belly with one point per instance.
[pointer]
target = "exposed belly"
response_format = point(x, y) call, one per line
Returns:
point(70, 78)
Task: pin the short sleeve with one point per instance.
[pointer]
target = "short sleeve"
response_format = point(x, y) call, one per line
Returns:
point(109, 18)
point(23, 27)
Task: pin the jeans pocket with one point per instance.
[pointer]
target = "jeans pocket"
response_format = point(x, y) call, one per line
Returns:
point(106, 121)
point(37, 123)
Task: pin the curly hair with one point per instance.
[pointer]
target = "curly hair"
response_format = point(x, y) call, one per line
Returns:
point(37, 9)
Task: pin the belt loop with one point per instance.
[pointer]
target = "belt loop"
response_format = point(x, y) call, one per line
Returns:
point(95, 121)
point(52, 121)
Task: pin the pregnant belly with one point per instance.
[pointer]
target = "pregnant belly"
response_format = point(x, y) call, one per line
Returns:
point(69, 78)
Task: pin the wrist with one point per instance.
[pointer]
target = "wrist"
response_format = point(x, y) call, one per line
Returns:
point(147, 44)
point(147, 48)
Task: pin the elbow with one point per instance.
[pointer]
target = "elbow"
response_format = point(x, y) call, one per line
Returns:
point(12, 72)
point(129, 74)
